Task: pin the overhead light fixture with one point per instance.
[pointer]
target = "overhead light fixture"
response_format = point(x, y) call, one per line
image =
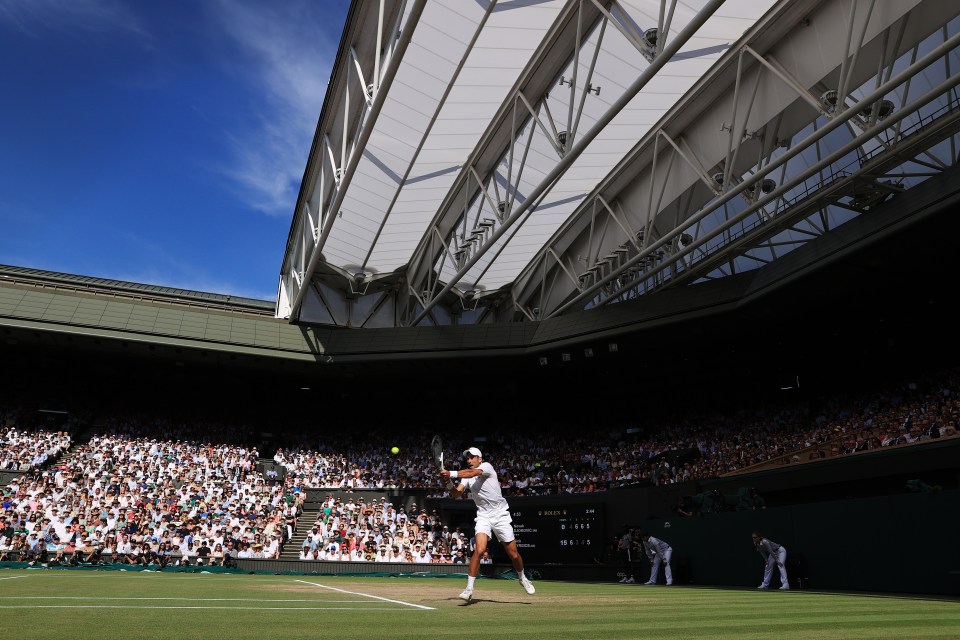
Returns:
point(829, 100)
point(650, 36)
point(359, 283)
point(885, 109)
point(648, 44)
point(469, 300)
point(882, 108)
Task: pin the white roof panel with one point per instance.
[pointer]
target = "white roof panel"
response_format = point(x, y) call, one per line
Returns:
point(618, 64)
point(501, 51)
point(433, 116)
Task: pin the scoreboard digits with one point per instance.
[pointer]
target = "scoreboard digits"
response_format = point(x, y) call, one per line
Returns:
point(554, 534)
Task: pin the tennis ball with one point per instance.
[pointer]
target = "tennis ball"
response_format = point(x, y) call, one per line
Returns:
point(395, 450)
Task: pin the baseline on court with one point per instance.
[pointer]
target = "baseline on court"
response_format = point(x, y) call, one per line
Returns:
point(327, 598)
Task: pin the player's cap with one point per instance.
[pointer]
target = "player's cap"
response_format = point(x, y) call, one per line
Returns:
point(472, 451)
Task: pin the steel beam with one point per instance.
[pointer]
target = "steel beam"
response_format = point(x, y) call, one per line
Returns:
point(839, 120)
point(564, 163)
point(361, 141)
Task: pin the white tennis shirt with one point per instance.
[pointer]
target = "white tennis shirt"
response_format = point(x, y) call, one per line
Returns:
point(485, 491)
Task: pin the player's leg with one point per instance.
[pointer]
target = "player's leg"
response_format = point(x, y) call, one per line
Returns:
point(627, 569)
point(782, 564)
point(668, 572)
point(503, 528)
point(517, 561)
point(514, 554)
point(654, 570)
point(483, 539)
point(768, 572)
point(482, 536)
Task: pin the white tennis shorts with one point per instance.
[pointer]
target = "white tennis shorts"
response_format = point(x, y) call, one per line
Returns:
point(499, 524)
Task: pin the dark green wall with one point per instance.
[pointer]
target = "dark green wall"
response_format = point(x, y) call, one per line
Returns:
point(899, 543)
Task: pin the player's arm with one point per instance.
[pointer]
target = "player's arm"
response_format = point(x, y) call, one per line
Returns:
point(459, 489)
point(464, 473)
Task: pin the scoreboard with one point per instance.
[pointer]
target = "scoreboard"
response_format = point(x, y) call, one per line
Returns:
point(559, 534)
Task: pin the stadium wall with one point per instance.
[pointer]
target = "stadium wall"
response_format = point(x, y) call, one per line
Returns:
point(892, 543)
point(897, 543)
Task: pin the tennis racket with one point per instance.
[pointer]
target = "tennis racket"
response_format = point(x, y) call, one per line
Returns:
point(436, 449)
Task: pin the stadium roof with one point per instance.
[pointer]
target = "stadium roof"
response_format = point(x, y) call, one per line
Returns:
point(52, 280)
point(768, 319)
point(504, 161)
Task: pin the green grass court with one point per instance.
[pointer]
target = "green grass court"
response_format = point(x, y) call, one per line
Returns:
point(81, 605)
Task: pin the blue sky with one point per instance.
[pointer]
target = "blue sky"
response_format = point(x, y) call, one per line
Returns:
point(159, 142)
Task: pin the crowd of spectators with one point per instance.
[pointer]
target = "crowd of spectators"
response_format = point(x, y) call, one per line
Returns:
point(145, 490)
point(129, 498)
point(24, 449)
point(377, 531)
point(691, 448)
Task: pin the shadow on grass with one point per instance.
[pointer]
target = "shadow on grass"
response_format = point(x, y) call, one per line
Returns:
point(474, 601)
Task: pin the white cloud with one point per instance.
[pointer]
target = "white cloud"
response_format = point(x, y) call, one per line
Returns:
point(70, 15)
point(290, 49)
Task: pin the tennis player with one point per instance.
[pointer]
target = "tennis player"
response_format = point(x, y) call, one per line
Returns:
point(493, 515)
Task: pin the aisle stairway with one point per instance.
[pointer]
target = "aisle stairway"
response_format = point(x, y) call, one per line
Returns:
point(291, 549)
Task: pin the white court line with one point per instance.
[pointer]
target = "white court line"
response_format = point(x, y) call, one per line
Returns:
point(367, 595)
point(13, 577)
point(107, 606)
point(260, 600)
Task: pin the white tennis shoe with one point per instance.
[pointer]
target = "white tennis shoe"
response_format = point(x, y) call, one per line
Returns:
point(466, 594)
point(527, 585)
